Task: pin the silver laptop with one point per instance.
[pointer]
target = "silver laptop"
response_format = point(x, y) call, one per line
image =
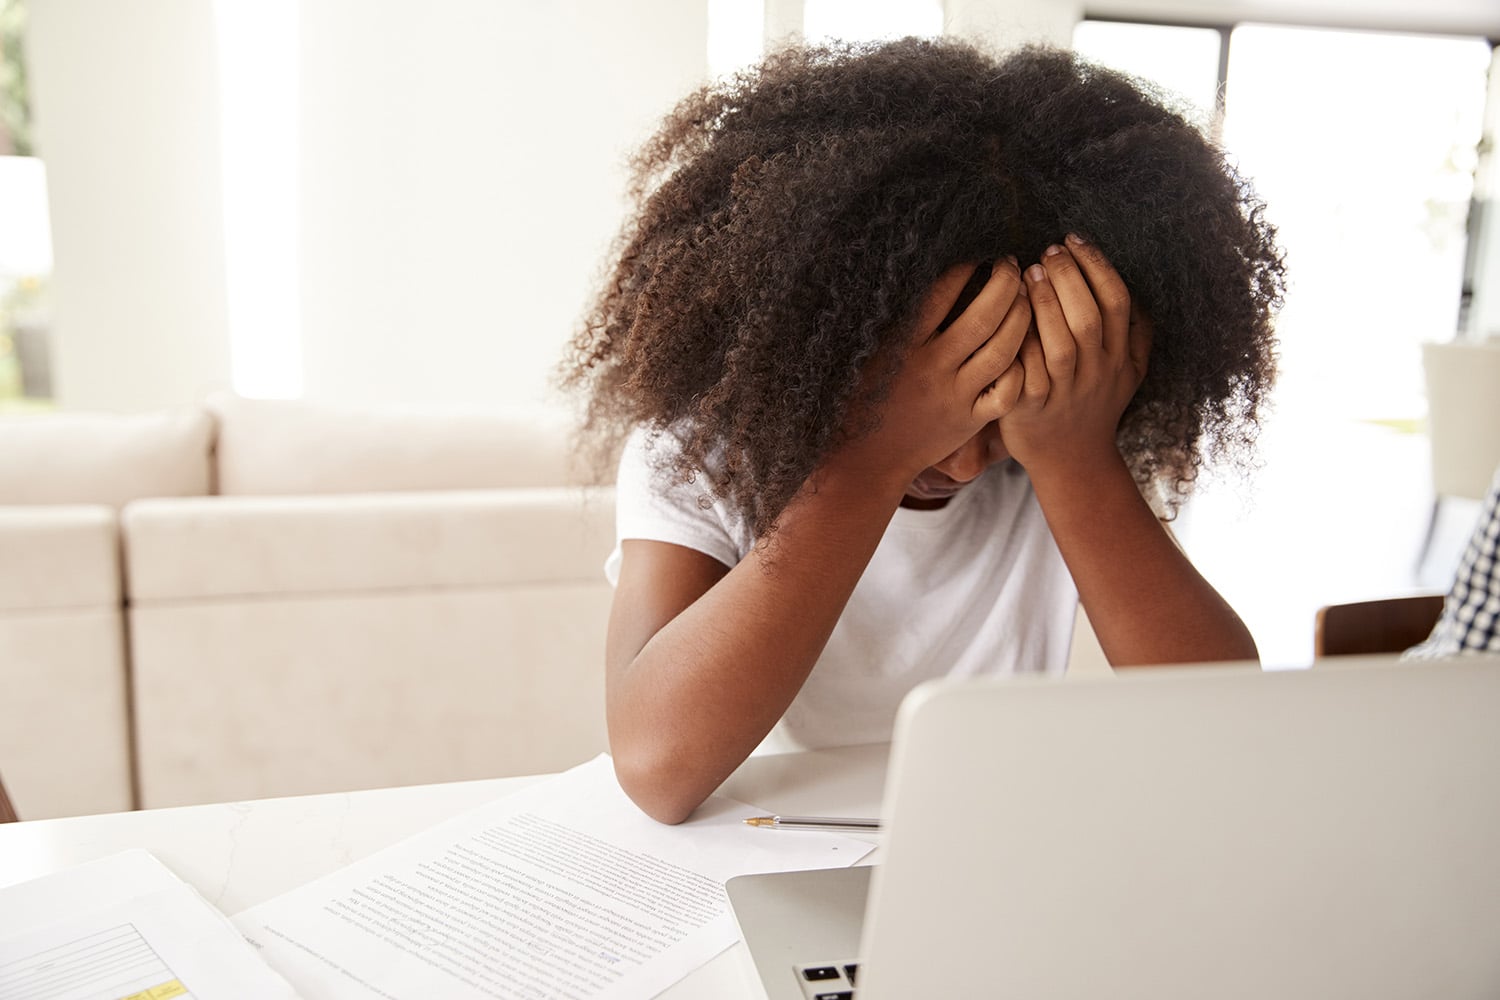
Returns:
point(1195, 832)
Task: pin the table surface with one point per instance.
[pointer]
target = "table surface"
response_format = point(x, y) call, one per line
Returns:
point(238, 854)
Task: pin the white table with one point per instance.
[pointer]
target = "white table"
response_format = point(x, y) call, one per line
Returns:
point(238, 854)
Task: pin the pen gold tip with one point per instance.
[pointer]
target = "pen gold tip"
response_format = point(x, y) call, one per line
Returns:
point(760, 821)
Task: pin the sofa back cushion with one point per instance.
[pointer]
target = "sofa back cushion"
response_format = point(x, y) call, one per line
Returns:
point(105, 458)
point(269, 447)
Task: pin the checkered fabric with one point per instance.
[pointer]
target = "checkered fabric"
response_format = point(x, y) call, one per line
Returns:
point(1471, 612)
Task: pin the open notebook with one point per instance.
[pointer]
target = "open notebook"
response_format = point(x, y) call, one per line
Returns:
point(1180, 832)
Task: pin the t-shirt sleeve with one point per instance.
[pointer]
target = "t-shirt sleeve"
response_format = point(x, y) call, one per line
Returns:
point(650, 505)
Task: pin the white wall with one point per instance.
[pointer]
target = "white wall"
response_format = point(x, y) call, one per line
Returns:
point(461, 170)
point(127, 124)
point(460, 166)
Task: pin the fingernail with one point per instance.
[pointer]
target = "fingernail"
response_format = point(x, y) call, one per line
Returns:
point(1053, 250)
point(1074, 239)
point(1036, 272)
point(1012, 258)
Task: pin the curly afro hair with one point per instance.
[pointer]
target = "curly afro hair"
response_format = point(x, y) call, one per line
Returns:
point(789, 220)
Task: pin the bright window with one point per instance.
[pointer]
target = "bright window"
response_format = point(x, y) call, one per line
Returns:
point(736, 34)
point(1184, 61)
point(1368, 175)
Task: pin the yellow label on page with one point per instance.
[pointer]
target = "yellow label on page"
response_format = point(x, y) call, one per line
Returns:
point(163, 992)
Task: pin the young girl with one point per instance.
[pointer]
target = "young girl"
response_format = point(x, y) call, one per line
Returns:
point(894, 341)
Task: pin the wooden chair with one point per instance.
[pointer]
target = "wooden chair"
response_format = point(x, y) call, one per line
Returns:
point(7, 811)
point(1387, 626)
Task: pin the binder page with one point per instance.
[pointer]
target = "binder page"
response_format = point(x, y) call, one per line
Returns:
point(562, 889)
point(124, 928)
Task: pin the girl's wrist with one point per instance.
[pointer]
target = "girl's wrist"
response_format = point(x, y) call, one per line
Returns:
point(1068, 470)
point(860, 473)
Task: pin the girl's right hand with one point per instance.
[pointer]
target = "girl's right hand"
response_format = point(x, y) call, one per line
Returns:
point(954, 380)
point(1082, 366)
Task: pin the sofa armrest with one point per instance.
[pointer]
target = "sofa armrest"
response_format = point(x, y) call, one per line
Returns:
point(59, 557)
point(64, 726)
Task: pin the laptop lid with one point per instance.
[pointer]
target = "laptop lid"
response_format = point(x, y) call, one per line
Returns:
point(1195, 832)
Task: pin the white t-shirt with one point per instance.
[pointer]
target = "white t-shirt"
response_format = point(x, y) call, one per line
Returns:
point(976, 587)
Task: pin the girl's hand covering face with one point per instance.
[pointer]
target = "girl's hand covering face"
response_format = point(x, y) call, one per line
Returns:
point(957, 376)
point(1083, 360)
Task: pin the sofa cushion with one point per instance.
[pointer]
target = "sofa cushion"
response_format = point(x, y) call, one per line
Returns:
point(196, 549)
point(105, 458)
point(297, 447)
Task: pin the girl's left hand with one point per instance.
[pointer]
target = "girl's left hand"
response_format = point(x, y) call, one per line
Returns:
point(1084, 359)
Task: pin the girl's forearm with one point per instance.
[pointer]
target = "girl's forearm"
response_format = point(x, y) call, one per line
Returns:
point(1146, 601)
point(705, 689)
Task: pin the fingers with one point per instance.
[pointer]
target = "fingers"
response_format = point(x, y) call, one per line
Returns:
point(1036, 384)
point(1081, 305)
point(995, 355)
point(1107, 289)
point(967, 294)
point(1055, 337)
point(1001, 395)
point(941, 299)
point(1074, 297)
point(994, 300)
point(959, 336)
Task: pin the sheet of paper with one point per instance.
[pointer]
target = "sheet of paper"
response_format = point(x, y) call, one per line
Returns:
point(563, 889)
point(124, 928)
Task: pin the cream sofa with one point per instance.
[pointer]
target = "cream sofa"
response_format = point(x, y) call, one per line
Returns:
point(249, 598)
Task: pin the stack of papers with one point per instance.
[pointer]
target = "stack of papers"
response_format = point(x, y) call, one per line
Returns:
point(124, 928)
point(563, 889)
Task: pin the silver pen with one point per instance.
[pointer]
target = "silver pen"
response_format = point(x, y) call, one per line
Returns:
point(839, 823)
